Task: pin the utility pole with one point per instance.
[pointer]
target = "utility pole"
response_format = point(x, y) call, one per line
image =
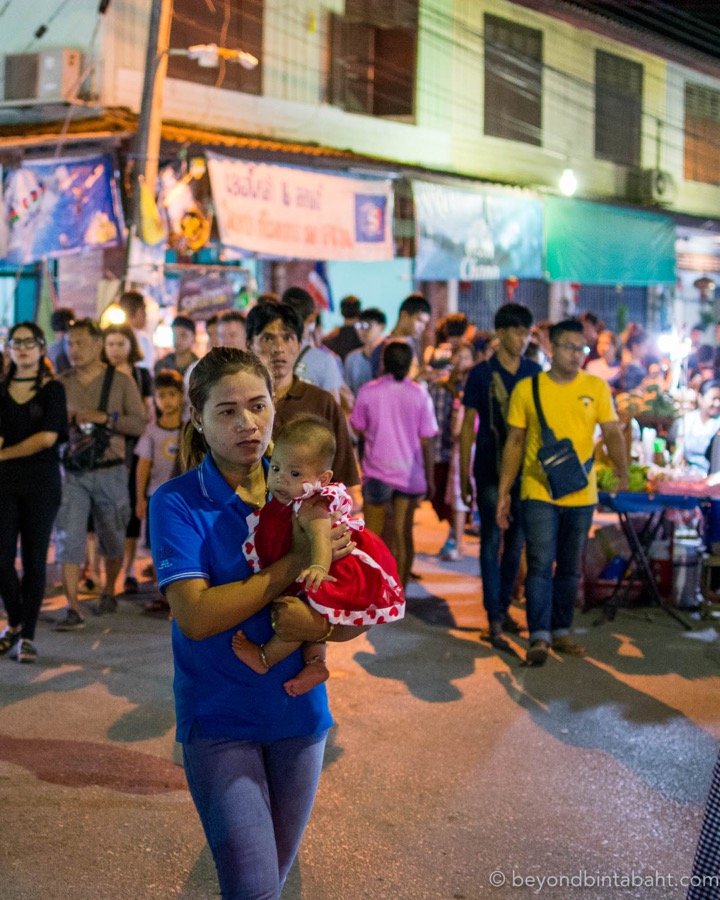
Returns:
point(147, 139)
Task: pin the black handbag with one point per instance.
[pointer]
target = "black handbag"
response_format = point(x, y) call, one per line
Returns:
point(563, 469)
point(87, 443)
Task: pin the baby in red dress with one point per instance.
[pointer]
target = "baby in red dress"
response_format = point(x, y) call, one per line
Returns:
point(363, 588)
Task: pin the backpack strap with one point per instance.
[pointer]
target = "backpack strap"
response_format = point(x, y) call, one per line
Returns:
point(106, 385)
point(548, 436)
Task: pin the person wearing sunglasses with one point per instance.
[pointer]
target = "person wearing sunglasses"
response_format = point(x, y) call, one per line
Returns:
point(33, 421)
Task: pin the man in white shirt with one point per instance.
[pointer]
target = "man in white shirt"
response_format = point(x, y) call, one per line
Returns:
point(132, 303)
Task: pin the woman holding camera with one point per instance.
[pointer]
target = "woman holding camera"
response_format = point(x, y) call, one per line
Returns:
point(33, 421)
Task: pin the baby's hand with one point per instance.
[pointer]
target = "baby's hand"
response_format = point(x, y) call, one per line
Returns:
point(313, 508)
point(314, 576)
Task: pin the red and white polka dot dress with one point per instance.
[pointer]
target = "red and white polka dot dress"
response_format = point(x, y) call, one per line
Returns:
point(367, 590)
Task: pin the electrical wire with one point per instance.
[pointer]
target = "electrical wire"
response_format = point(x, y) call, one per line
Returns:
point(223, 43)
point(42, 30)
point(468, 41)
point(671, 22)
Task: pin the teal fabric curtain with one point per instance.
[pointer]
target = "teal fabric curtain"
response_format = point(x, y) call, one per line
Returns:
point(592, 243)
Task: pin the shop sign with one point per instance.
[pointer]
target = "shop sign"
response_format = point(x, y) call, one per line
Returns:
point(282, 211)
point(204, 293)
point(476, 235)
point(58, 207)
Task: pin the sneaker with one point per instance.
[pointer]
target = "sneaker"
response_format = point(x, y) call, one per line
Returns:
point(452, 555)
point(71, 621)
point(568, 646)
point(106, 604)
point(447, 547)
point(537, 654)
point(24, 651)
point(497, 638)
point(8, 639)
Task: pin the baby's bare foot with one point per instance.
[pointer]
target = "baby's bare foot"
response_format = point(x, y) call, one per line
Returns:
point(249, 652)
point(313, 674)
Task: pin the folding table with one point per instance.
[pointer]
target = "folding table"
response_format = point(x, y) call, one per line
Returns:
point(628, 505)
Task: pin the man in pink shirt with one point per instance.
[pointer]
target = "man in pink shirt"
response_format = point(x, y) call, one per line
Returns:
point(396, 418)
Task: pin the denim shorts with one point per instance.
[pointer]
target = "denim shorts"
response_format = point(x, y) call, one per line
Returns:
point(104, 493)
point(376, 492)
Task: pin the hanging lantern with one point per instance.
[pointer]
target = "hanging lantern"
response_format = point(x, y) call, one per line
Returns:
point(511, 285)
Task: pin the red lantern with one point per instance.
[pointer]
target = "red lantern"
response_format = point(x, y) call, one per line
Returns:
point(511, 285)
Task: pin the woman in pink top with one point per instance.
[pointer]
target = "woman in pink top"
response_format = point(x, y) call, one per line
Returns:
point(397, 420)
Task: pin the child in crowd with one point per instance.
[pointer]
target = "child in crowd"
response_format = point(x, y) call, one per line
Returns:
point(448, 501)
point(363, 588)
point(157, 452)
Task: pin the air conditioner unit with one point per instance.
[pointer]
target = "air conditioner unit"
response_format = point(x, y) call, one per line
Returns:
point(650, 186)
point(48, 76)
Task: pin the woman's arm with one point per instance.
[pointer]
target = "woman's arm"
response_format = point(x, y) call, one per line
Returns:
point(41, 440)
point(295, 620)
point(202, 611)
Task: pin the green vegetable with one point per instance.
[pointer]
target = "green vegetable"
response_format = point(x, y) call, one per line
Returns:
point(608, 481)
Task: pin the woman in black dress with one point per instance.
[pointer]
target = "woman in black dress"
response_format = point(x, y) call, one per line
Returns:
point(33, 421)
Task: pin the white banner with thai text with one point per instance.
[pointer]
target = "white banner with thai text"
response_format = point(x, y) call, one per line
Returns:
point(287, 212)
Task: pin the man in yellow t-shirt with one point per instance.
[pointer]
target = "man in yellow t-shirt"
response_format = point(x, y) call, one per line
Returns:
point(556, 531)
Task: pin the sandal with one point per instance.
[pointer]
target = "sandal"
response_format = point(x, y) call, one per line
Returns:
point(8, 639)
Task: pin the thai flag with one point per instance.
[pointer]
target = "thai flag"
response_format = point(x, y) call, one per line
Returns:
point(318, 286)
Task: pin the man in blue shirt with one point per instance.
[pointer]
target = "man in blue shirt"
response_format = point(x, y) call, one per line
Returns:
point(358, 363)
point(486, 401)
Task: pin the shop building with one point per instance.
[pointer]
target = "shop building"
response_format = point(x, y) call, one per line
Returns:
point(483, 106)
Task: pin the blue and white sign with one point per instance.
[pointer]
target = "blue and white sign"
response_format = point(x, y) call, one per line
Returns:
point(476, 235)
point(58, 207)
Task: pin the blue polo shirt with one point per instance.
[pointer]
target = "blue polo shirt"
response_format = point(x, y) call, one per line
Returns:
point(198, 526)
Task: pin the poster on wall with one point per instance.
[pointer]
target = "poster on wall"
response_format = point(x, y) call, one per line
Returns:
point(284, 212)
point(206, 292)
point(476, 235)
point(58, 207)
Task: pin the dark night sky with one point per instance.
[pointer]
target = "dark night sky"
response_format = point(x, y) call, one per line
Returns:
point(694, 23)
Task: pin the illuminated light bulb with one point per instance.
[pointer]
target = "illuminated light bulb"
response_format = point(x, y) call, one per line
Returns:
point(568, 182)
point(113, 315)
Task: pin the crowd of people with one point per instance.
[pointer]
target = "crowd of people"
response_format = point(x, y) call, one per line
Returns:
point(245, 469)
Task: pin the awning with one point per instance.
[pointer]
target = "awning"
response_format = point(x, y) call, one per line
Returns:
point(592, 243)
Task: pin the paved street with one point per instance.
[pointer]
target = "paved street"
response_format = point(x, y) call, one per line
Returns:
point(451, 768)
